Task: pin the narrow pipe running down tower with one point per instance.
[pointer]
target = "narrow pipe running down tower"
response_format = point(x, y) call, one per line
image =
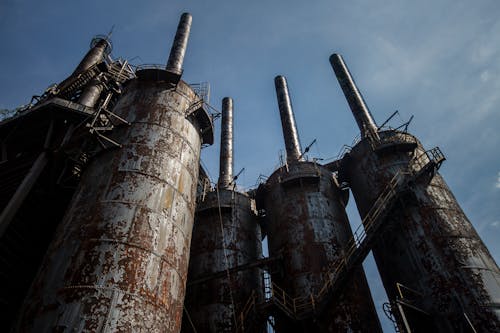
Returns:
point(226, 145)
point(178, 50)
point(356, 102)
point(119, 260)
point(308, 227)
point(437, 272)
point(292, 143)
point(226, 235)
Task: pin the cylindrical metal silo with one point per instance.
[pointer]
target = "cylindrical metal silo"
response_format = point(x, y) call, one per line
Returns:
point(226, 235)
point(119, 259)
point(437, 272)
point(308, 227)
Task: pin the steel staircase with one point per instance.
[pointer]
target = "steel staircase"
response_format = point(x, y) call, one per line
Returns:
point(361, 243)
point(104, 121)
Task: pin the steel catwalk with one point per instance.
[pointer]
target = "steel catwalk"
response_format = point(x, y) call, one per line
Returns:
point(120, 256)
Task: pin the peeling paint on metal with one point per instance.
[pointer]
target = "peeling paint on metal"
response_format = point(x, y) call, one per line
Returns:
point(307, 223)
point(120, 258)
point(431, 247)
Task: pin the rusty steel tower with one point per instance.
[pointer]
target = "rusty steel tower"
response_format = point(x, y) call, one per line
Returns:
point(307, 226)
point(108, 222)
point(226, 238)
point(119, 258)
point(437, 272)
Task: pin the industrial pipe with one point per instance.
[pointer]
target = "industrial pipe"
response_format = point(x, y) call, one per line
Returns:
point(226, 144)
point(99, 49)
point(292, 143)
point(356, 102)
point(178, 50)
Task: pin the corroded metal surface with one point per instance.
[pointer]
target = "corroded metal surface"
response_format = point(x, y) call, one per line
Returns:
point(94, 56)
point(226, 144)
point(210, 304)
point(356, 102)
point(91, 93)
point(308, 225)
point(292, 142)
point(178, 50)
point(432, 248)
point(120, 256)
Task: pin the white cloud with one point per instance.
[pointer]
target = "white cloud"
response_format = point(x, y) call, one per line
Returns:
point(495, 224)
point(497, 184)
point(485, 76)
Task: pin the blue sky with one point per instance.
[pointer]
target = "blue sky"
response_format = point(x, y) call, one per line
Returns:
point(437, 60)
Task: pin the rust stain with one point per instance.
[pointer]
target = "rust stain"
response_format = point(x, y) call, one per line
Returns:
point(430, 243)
point(120, 259)
point(307, 223)
point(169, 197)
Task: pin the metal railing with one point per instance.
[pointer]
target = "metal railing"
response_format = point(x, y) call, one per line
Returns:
point(360, 243)
point(121, 71)
point(202, 89)
point(398, 137)
point(149, 66)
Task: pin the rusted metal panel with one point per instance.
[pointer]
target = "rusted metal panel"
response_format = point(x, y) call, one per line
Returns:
point(223, 239)
point(431, 247)
point(120, 256)
point(308, 226)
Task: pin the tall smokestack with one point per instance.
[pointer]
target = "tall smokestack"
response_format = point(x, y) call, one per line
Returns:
point(356, 102)
point(292, 143)
point(179, 45)
point(226, 144)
